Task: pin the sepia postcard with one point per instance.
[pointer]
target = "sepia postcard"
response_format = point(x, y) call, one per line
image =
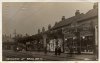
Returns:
point(50, 31)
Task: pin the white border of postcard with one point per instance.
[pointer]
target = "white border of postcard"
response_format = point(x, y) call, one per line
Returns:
point(44, 1)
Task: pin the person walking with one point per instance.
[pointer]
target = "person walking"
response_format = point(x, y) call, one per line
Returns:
point(71, 52)
point(45, 50)
point(56, 50)
point(59, 50)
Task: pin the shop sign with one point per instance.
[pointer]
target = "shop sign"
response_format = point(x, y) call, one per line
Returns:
point(68, 30)
point(69, 35)
point(86, 33)
point(85, 28)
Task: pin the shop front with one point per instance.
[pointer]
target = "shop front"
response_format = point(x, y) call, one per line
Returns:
point(79, 40)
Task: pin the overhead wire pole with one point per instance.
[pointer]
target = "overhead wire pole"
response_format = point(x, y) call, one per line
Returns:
point(11, 19)
point(20, 9)
point(15, 33)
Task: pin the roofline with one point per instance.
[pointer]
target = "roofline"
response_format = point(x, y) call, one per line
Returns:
point(61, 26)
point(88, 18)
point(76, 21)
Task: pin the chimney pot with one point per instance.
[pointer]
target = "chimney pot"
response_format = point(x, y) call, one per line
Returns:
point(77, 12)
point(63, 18)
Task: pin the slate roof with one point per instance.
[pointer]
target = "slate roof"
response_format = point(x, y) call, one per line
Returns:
point(67, 21)
point(89, 14)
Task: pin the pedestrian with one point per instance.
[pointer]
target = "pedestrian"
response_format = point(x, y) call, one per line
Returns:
point(59, 50)
point(45, 50)
point(56, 50)
point(71, 51)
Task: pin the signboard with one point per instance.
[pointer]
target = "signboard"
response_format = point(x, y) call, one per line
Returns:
point(69, 35)
point(68, 30)
point(86, 33)
point(84, 30)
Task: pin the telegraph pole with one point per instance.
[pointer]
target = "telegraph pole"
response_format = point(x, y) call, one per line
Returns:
point(15, 33)
point(15, 47)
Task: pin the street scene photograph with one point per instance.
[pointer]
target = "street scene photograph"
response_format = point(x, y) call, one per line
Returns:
point(50, 31)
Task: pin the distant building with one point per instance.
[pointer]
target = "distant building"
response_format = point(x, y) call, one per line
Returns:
point(7, 42)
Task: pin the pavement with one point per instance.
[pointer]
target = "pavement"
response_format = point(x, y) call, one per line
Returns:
point(64, 56)
point(50, 56)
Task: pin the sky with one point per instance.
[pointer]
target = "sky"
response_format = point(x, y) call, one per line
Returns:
point(28, 17)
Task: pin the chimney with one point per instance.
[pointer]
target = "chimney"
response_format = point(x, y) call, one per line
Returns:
point(27, 35)
point(77, 12)
point(63, 18)
point(95, 6)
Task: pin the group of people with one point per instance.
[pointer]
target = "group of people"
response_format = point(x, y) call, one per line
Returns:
point(57, 50)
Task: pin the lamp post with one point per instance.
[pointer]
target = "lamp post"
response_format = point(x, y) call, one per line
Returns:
point(77, 34)
point(45, 42)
